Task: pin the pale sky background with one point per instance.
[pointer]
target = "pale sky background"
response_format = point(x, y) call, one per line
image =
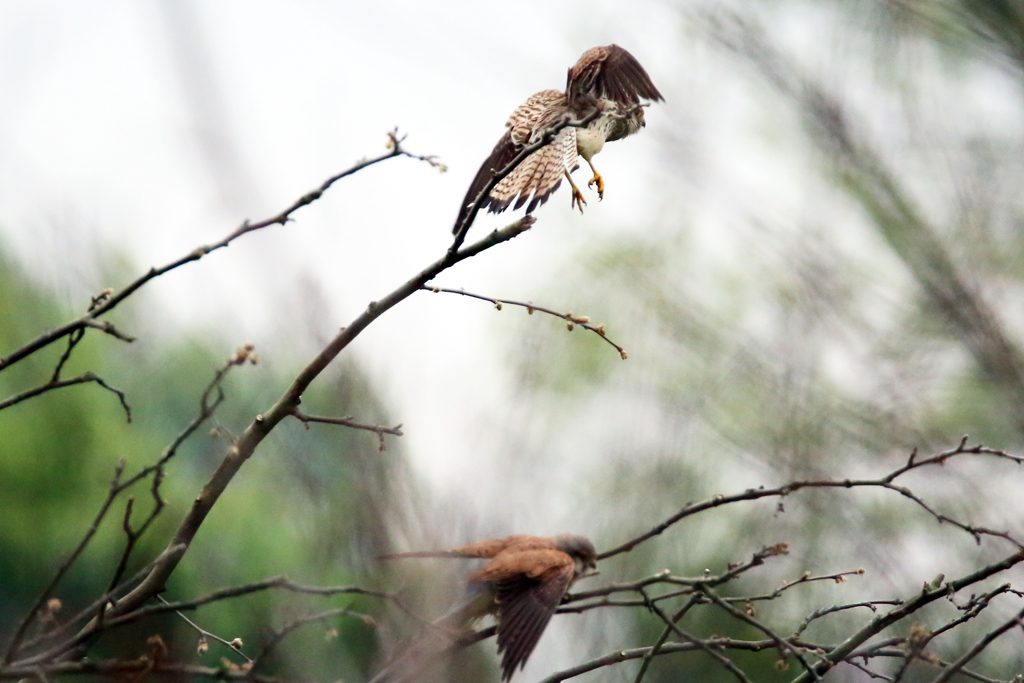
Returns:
point(138, 130)
point(141, 130)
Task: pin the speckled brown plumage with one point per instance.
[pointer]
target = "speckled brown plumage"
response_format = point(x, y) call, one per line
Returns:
point(523, 583)
point(607, 78)
point(609, 72)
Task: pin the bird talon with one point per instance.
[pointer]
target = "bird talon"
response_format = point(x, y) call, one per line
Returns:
point(599, 181)
point(577, 200)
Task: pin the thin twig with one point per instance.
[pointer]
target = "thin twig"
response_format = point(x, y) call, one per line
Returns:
point(230, 644)
point(108, 328)
point(686, 637)
point(113, 618)
point(824, 611)
point(132, 669)
point(620, 656)
point(132, 535)
point(91, 608)
point(920, 638)
point(73, 340)
point(656, 649)
point(910, 606)
point(784, 645)
point(885, 482)
point(211, 397)
point(52, 385)
point(298, 622)
point(959, 664)
point(349, 421)
point(62, 570)
point(263, 423)
point(395, 149)
point(571, 319)
point(734, 570)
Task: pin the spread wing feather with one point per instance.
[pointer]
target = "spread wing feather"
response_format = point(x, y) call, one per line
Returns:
point(536, 175)
point(502, 154)
point(525, 606)
point(609, 72)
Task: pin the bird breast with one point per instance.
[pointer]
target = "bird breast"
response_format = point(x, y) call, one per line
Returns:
point(590, 140)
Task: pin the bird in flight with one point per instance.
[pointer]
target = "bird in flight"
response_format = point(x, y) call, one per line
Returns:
point(522, 584)
point(607, 84)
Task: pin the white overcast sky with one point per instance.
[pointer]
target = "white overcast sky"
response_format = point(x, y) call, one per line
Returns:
point(136, 130)
point(139, 130)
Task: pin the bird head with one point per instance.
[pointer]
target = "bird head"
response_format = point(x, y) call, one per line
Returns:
point(623, 119)
point(580, 549)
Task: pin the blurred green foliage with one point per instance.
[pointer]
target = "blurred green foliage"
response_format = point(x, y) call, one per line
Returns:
point(308, 505)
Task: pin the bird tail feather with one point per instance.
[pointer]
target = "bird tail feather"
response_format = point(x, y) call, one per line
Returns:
point(419, 553)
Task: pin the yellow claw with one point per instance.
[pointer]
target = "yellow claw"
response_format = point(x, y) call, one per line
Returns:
point(599, 181)
point(577, 199)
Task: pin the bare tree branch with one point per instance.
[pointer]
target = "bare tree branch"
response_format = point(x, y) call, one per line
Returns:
point(395, 149)
point(203, 634)
point(208, 403)
point(62, 570)
point(781, 643)
point(62, 383)
point(876, 625)
point(885, 482)
point(349, 421)
point(959, 664)
point(686, 637)
point(283, 632)
point(263, 423)
point(143, 666)
point(570, 319)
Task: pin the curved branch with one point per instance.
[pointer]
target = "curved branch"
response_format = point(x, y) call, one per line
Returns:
point(925, 597)
point(348, 421)
point(203, 634)
point(620, 656)
point(210, 399)
point(263, 423)
point(55, 384)
point(885, 482)
point(395, 149)
point(570, 319)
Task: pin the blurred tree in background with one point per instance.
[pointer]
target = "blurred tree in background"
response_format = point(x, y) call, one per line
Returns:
point(309, 511)
point(874, 309)
point(880, 312)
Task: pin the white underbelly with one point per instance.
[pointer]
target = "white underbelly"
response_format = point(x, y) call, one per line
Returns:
point(589, 141)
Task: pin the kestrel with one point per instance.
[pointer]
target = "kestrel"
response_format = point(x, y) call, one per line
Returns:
point(522, 585)
point(607, 79)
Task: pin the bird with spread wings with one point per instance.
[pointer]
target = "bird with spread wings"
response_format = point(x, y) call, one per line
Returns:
point(522, 584)
point(604, 87)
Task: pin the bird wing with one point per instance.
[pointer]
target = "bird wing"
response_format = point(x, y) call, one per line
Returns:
point(609, 72)
point(527, 122)
point(489, 549)
point(538, 176)
point(529, 585)
point(503, 153)
point(481, 549)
